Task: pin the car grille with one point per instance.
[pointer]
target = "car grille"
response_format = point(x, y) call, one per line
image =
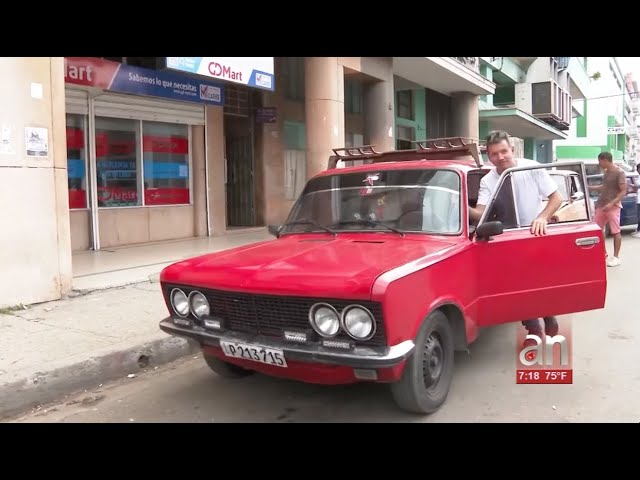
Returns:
point(270, 315)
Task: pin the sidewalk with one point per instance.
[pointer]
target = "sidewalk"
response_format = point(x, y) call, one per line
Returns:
point(106, 329)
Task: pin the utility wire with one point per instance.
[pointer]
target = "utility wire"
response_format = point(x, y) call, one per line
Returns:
point(611, 96)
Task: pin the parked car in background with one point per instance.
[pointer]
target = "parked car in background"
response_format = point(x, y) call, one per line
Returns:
point(574, 200)
point(629, 213)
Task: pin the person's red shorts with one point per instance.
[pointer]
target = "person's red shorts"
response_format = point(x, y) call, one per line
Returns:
point(611, 217)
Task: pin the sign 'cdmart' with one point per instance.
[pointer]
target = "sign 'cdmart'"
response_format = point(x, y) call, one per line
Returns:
point(251, 71)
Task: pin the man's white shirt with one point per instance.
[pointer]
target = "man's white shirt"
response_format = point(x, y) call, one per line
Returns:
point(531, 188)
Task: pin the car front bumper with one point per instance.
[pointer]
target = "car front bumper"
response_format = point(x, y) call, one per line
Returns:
point(357, 357)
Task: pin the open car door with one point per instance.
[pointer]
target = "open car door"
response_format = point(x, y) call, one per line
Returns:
point(523, 276)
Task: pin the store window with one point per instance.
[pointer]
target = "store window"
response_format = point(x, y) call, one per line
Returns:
point(138, 163)
point(166, 163)
point(117, 165)
point(77, 160)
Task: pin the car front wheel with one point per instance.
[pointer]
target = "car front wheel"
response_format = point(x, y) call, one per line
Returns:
point(224, 369)
point(427, 376)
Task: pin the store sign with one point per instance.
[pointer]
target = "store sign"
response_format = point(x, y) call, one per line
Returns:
point(119, 78)
point(251, 71)
point(615, 130)
point(266, 115)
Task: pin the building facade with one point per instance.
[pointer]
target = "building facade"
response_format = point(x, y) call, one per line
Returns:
point(102, 153)
point(609, 116)
point(537, 100)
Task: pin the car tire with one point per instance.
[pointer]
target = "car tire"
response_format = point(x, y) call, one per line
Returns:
point(225, 369)
point(427, 375)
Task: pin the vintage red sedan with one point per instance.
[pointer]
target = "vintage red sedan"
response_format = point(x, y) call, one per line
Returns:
point(379, 275)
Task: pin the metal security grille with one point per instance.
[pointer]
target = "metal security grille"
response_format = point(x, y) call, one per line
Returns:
point(236, 100)
point(143, 108)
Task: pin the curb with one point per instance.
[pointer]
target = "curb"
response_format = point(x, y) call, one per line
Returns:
point(50, 386)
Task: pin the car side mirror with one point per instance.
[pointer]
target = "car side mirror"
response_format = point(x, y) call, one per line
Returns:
point(577, 196)
point(274, 230)
point(489, 229)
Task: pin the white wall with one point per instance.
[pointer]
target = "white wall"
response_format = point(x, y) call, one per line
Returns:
point(598, 109)
point(35, 245)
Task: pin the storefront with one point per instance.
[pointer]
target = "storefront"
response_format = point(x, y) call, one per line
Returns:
point(136, 153)
point(245, 79)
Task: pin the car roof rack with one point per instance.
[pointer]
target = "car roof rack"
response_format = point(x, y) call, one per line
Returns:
point(446, 148)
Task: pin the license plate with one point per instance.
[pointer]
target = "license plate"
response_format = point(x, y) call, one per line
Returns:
point(270, 356)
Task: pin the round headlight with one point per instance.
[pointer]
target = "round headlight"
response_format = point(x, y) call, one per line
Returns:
point(199, 304)
point(324, 319)
point(358, 322)
point(179, 302)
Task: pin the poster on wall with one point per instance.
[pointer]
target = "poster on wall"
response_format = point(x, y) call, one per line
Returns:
point(7, 146)
point(36, 140)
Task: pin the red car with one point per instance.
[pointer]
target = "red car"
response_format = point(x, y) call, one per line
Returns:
point(378, 275)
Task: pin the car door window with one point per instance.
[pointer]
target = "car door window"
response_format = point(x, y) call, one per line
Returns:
point(514, 208)
point(575, 186)
point(561, 182)
point(502, 208)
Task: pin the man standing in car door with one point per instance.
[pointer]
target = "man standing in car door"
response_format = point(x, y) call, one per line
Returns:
point(609, 203)
point(533, 185)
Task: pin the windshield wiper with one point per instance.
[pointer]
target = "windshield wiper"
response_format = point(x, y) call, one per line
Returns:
point(311, 222)
point(373, 223)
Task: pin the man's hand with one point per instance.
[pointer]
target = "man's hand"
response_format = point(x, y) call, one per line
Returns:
point(539, 227)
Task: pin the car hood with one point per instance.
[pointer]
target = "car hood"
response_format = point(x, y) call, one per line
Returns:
point(305, 265)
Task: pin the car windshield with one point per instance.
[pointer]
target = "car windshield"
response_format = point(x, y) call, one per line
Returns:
point(420, 200)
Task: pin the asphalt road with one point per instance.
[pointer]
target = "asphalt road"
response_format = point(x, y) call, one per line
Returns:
point(606, 383)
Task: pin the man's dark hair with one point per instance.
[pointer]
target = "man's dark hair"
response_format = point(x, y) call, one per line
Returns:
point(497, 136)
point(605, 156)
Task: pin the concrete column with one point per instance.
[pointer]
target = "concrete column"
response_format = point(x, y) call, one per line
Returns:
point(199, 183)
point(215, 162)
point(35, 239)
point(465, 121)
point(379, 114)
point(324, 110)
point(544, 151)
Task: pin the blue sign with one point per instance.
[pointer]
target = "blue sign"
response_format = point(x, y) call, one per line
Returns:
point(75, 168)
point(116, 77)
point(165, 170)
point(166, 84)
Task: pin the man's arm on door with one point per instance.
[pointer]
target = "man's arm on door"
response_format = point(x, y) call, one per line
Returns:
point(475, 213)
point(548, 188)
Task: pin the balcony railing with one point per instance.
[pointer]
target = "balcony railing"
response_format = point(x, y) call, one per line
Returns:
point(472, 63)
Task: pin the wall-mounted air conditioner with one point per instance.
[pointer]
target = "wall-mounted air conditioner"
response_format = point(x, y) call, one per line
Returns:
point(551, 103)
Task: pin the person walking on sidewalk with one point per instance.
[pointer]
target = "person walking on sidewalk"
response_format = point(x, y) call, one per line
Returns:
point(609, 203)
point(636, 234)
